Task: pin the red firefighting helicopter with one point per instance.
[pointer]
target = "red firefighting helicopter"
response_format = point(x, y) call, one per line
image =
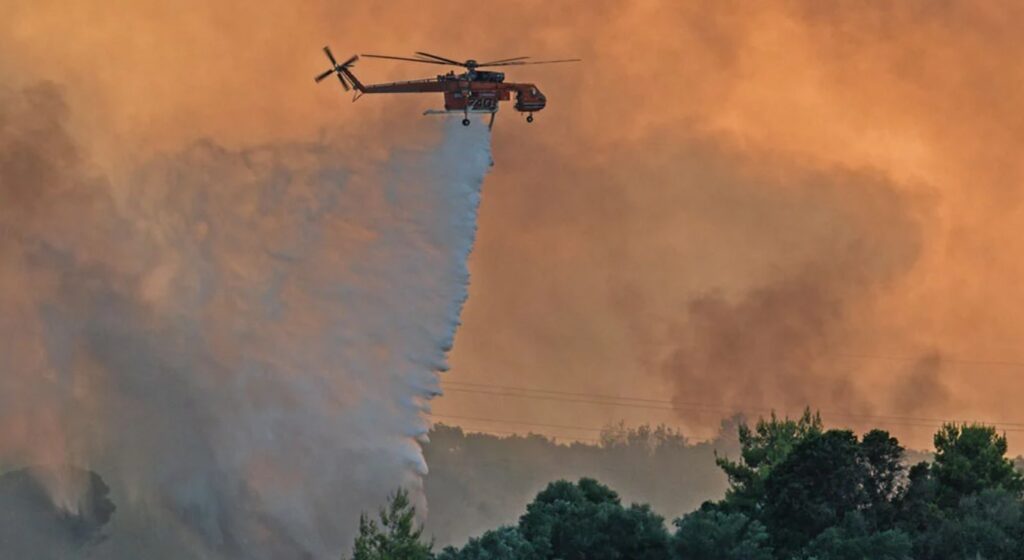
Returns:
point(473, 91)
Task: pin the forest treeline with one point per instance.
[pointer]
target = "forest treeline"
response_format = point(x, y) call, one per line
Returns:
point(479, 481)
point(795, 491)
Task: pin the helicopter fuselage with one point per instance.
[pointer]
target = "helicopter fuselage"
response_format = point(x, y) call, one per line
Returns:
point(476, 95)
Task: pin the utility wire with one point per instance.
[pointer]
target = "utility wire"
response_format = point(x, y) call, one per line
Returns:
point(489, 431)
point(499, 420)
point(668, 405)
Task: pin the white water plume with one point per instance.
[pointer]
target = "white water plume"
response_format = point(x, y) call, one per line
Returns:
point(240, 343)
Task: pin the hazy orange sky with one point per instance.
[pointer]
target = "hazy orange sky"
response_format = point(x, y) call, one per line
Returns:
point(737, 206)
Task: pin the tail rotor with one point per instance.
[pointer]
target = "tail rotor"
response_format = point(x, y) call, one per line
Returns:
point(342, 70)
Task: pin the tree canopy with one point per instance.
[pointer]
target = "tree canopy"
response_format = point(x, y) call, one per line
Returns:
point(395, 535)
point(761, 449)
point(969, 459)
point(797, 491)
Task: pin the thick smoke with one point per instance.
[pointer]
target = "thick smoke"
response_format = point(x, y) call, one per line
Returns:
point(788, 343)
point(241, 343)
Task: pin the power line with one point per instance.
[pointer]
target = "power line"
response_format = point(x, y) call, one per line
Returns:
point(668, 405)
point(564, 393)
point(499, 420)
point(556, 436)
point(526, 395)
point(677, 405)
point(547, 435)
point(553, 436)
point(652, 404)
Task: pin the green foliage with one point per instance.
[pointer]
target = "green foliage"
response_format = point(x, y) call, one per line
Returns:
point(761, 449)
point(882, 460)
point(712, 534)
point(968, 502)
point(916, 509)
point(854, 539)
point(814, 493)
point(969, 459)
point(989, 524)
point(395, 537)
point(819, 482)
point(504, 543)
point(587, 521)
point(482, 481)
point(797, 492)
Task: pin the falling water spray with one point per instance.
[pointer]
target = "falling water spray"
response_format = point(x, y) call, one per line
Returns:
point(241, 343)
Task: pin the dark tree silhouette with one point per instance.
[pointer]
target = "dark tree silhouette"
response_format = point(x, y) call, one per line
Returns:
point(395, 535)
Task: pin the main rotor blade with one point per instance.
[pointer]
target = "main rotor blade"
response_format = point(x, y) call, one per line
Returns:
point(502, 60)
point(327, 50)
point(324, 75)
point(441, 58)
point(535, 62)
point(410, 59)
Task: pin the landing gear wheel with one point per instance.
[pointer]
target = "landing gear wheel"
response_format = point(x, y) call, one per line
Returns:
point(529, 118)
point(465, 122)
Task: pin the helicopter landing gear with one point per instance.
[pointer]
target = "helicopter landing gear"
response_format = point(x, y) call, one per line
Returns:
point(465, 122)
point(529, 118)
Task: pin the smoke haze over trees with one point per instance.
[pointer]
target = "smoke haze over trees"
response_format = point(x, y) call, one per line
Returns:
point(479, 481)
point(796, 491)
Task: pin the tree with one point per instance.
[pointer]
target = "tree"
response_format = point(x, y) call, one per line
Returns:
point(587, 521)
point(854, 539)
point(989, 525)
point(969, 459)
point(761, 449)
point(636, 532)
point(504, 543)
point(94, 512)
point(818, 483)
point(33, 525)
point(712, 534)
point(884, 480)
point(798, 493)
point(917, 511)
point(396, 537)
point(967, 503)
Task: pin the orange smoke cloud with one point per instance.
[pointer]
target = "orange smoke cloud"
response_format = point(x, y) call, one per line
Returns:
point(862, 156)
